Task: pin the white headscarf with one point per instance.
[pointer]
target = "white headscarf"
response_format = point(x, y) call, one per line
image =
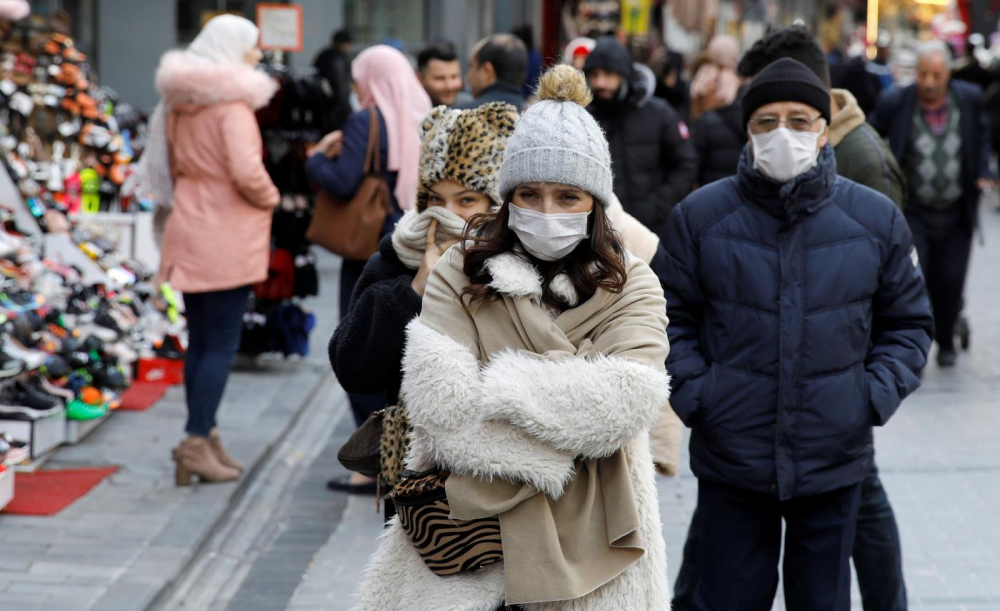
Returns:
point(225, 39)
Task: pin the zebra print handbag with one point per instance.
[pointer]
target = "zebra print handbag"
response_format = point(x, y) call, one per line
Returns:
point(447, 546)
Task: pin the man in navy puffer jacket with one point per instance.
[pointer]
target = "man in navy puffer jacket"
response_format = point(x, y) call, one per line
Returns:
point(799, 320)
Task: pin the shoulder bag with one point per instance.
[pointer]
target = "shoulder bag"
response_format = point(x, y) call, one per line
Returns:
point(352, 229)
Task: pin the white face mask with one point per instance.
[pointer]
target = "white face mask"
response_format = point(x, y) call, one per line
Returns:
point(783, 154)
point(549, 237)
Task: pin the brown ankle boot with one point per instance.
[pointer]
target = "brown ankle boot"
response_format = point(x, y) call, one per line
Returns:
point(195, 457)
point(220, 452)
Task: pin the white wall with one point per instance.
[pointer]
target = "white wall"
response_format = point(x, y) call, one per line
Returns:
point(132, 35)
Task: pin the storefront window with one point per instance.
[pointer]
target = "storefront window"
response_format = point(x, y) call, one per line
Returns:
point(193, 14)
point(378, 21)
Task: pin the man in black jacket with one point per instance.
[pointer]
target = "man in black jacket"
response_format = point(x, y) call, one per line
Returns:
point(653, 161)
point(939, 132)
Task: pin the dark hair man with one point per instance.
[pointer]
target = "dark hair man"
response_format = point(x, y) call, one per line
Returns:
point(440, 73)
point(497, 69)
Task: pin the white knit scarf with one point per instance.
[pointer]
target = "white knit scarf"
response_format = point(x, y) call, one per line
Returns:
point(410, 236)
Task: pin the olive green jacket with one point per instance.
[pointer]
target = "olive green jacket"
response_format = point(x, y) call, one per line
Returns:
point(862, 155)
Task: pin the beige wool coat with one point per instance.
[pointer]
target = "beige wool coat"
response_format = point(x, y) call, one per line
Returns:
point(488, 399)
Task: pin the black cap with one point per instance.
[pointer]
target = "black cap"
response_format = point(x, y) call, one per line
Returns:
point(786, 80)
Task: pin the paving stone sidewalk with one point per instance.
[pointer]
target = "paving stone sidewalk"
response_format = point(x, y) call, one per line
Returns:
point(125, 541)
point(939, 459)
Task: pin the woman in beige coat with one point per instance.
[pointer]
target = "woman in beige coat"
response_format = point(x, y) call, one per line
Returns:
point(533, 376)
point(217, 239)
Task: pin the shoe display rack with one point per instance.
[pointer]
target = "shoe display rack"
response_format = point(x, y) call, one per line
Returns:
point(81, 314)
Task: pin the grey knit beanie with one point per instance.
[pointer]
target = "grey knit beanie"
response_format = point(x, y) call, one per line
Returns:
point(556, 140)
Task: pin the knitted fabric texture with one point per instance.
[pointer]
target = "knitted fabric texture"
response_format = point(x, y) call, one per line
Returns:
point(558, 142)
point(786, 80)
point(465, 146)
point(409, 239)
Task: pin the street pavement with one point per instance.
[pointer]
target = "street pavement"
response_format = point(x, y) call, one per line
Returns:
point(279, 540)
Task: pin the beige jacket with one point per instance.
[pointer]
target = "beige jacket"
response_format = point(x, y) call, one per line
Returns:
point(494, 392)
point(667, 435)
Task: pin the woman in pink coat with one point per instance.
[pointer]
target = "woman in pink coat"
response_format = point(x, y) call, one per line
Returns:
point(217, 238)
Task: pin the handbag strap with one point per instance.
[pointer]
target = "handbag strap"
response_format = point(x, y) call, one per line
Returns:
point(373, 155)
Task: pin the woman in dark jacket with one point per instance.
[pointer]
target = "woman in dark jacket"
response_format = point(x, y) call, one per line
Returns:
point(367, 350)
point(383, 80)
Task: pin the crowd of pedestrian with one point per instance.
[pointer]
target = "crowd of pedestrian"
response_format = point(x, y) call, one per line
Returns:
point(509, 344)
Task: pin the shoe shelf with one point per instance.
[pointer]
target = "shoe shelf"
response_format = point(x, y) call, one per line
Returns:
point(43, 434)
point(6, 486)
point(76, 430)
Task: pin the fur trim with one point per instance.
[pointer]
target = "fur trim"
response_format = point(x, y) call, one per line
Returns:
point(182, 81)
point(586, 406)
point(514, 275)
point(396, 579)
point(848, 118)
point(563, 287)
point(465, 146)
point(443, 392)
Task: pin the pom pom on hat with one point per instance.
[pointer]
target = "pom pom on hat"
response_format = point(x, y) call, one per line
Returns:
point(564, 84)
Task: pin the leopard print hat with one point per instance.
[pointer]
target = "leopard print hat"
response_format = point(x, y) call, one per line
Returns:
point(465, 146)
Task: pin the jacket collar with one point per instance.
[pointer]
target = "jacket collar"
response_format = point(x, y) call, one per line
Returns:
point(849, 116)
point(801, 196)
point(514, 275)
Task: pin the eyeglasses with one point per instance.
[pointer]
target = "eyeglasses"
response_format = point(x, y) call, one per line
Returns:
point(798, 123)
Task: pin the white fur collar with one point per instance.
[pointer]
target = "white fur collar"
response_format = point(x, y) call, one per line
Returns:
point(514, 275)
point(182, 81)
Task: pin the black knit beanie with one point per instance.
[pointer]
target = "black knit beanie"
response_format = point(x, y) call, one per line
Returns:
point(786, 80)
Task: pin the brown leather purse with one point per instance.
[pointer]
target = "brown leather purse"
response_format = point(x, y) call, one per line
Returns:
point(352, 229)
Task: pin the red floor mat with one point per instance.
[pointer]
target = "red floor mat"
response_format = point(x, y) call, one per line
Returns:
point(46, 493)
point(143, 395)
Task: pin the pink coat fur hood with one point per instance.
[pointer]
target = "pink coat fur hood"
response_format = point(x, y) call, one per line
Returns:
point(218, 233)
point(183, 81)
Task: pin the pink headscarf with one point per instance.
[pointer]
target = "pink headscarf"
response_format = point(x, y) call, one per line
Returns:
point(389, 83)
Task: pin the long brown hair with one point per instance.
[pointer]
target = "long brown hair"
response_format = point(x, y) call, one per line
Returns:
point(595, 263)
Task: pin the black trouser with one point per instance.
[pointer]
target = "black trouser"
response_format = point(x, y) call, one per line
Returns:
point(944, 244)
point(739, 542)
point(878, 558)
point(362, 406)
